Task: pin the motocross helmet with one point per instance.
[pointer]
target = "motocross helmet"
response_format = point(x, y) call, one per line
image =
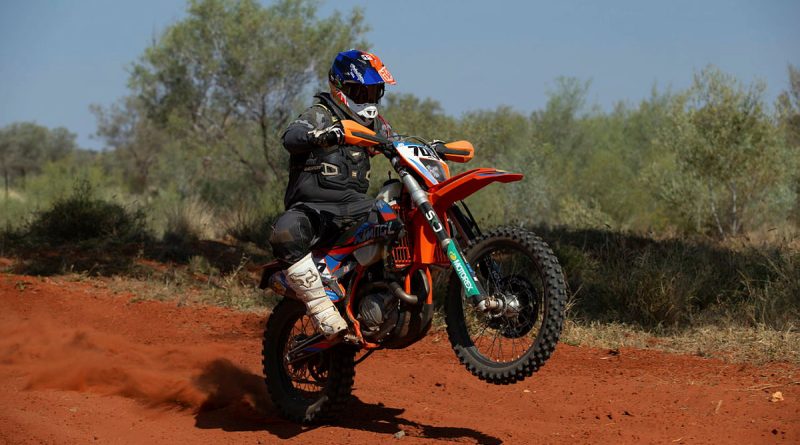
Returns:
point(357, 81)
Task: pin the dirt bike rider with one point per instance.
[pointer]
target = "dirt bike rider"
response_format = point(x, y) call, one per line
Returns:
point(328, 180)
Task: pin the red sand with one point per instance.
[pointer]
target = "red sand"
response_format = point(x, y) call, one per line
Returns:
point(81, 364)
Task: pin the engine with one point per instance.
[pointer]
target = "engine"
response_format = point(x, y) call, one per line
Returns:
point(378, 314)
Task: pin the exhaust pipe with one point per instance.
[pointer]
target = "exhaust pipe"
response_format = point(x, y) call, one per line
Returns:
point(401, 294)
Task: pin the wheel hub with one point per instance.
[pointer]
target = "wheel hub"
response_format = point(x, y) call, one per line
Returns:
point(517, 307)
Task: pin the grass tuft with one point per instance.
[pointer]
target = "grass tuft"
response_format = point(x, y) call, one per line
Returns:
point(669, 283)
point(190, 220)
point(758, 344)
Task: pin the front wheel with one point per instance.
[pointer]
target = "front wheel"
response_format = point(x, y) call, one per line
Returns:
point(315, 388)
point(519, 269)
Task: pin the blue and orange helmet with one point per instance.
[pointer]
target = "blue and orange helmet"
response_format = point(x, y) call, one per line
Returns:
point(357, 81)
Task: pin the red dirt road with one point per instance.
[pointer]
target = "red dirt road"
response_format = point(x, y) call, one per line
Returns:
point(80, 363)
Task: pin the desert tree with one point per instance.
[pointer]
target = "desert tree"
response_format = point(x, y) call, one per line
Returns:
point(136, 143)
point(788, 113)
point(726, 151)
point(228, 78)
point(25, 147)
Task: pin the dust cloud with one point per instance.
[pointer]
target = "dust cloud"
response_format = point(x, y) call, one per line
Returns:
point(86, 360)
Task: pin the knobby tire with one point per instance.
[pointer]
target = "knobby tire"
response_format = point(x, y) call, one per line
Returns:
point(288, 400)
point(553, 299)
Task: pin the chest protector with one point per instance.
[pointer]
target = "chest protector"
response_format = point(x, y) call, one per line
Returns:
point(342, 167)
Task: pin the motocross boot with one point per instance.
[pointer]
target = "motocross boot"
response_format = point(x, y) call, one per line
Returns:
point(305, 281)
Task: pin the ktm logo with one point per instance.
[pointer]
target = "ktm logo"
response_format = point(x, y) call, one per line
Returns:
point(304, 279)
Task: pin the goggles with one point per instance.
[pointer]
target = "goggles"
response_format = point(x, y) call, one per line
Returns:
point(363, 94)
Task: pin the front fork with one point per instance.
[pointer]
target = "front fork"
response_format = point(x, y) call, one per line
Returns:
point(465, 273)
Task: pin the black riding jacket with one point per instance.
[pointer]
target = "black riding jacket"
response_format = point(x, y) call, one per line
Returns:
point(333, 179)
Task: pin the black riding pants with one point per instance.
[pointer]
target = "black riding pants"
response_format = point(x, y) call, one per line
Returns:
point(302, 228)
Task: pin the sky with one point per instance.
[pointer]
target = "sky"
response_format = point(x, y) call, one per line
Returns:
point(59, 56)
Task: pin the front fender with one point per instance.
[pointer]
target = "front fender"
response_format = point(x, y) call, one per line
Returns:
point(444, 194)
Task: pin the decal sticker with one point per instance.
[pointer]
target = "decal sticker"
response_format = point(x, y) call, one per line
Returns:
point(407, 153)
point(355, 74)
point(431, 216)
point(372, 231)
point(461, 267)
point(304, 279)
point(386, 76)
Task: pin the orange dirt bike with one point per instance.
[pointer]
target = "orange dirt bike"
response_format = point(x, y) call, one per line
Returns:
point(504, 304)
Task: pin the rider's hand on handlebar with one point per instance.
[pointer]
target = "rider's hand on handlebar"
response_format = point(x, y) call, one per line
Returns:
point(386, 149)
point(437, 145)
point(327, 137)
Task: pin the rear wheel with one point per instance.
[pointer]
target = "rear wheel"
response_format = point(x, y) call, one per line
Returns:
point(519, 269)
point(310, 390)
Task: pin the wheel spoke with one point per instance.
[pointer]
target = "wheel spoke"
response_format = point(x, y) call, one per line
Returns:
point(517, 279)
point(308, 384)
point(500, 347)
point(480, 335)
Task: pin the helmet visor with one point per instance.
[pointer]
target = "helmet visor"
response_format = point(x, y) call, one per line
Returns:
point(363, 94)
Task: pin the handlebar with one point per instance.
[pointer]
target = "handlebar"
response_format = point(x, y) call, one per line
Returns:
point(371, 137)
point(359, 135)
point(356, 134)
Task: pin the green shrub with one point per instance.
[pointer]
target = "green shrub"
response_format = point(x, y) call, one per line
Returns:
point(81, 218)
point(79, 233)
